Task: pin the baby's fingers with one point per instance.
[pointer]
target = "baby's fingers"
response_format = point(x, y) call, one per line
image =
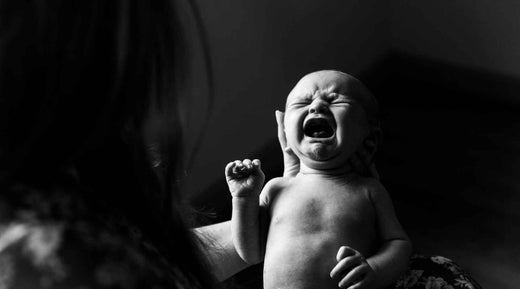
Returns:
point(344, 266)
point(247, 164)
point(362, 284)
point(355, 278)
point(256, 165)
point(235, 169)
point(242, 168)
point(251, 167)
point(239, 169)
point(345, 251)
point(230, 170)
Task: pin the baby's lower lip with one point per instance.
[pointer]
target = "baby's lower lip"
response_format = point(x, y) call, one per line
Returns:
point(322, 140)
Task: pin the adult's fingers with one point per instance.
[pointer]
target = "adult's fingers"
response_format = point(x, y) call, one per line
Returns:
point(291, 163)
point(373, 171)
point(357, 164)
point(281, 132)
point(370, 144)
point(365, 155)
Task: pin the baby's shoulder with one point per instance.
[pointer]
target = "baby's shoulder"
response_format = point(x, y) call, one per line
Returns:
point(273, 187)
point(276, 185)
point(371, 186)
point(367, 184)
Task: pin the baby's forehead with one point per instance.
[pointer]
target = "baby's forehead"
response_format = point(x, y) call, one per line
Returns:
point(326, 82)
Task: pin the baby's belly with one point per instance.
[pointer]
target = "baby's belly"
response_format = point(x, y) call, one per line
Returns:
point(304, 261)
point(300, 264)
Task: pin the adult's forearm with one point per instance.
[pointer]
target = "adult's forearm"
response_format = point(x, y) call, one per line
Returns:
point(218, 245)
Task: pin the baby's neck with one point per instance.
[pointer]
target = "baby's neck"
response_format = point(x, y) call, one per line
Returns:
point(332, 172)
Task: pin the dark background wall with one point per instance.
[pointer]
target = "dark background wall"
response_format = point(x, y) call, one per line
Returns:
point(447, 75)
point(260, 49)
point(476, 34)
point(450, 158)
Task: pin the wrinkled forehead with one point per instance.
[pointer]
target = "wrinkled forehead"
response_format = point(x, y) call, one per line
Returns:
point(330, 81)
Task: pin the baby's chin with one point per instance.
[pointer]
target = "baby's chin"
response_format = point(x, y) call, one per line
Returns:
point(323, 157)
point(332, 167)
point(322, 161)
point(319, 155)
point(319, 152)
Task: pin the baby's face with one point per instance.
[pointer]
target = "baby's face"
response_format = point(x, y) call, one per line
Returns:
point(325, 120)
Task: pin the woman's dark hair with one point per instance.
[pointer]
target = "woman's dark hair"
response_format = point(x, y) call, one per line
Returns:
point(78, 82)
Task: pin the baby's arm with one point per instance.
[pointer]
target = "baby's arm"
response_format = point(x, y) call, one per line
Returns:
point(245, 180)
point(391, 260)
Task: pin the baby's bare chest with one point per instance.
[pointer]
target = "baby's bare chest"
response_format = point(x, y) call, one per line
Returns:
point(316, 207)
point(309, 223)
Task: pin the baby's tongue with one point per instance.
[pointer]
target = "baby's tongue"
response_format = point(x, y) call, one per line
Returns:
point(319, 134)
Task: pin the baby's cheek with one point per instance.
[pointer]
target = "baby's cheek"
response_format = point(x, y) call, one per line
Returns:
point(292, 132)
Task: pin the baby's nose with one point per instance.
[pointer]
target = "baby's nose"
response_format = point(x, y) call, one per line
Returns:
point(319, 106)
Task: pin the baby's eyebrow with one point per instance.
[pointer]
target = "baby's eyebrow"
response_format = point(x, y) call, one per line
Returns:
point(304, 96)
point(333, 94)
point(337, 94)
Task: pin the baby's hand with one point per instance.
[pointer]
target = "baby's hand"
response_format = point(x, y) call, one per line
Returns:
point(244, 178)
point(352, 270)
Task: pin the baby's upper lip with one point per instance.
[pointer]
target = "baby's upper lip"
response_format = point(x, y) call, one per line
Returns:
point(319, 127)
point(329, 120)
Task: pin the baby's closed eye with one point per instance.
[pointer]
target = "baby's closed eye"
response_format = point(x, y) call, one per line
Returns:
point(303, 101)
point(299, 104)
point(341, 102)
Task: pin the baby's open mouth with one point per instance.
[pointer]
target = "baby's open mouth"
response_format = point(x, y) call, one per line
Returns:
point(318, 128)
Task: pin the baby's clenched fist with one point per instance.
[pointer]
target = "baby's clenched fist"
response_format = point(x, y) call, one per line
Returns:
point(245, 178)
point(352, 270)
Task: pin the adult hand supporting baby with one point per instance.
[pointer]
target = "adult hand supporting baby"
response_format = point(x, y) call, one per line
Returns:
point(361, 161)
point(291, 163)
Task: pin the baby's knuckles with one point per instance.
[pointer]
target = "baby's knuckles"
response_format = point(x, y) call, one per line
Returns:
point(249, 186)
